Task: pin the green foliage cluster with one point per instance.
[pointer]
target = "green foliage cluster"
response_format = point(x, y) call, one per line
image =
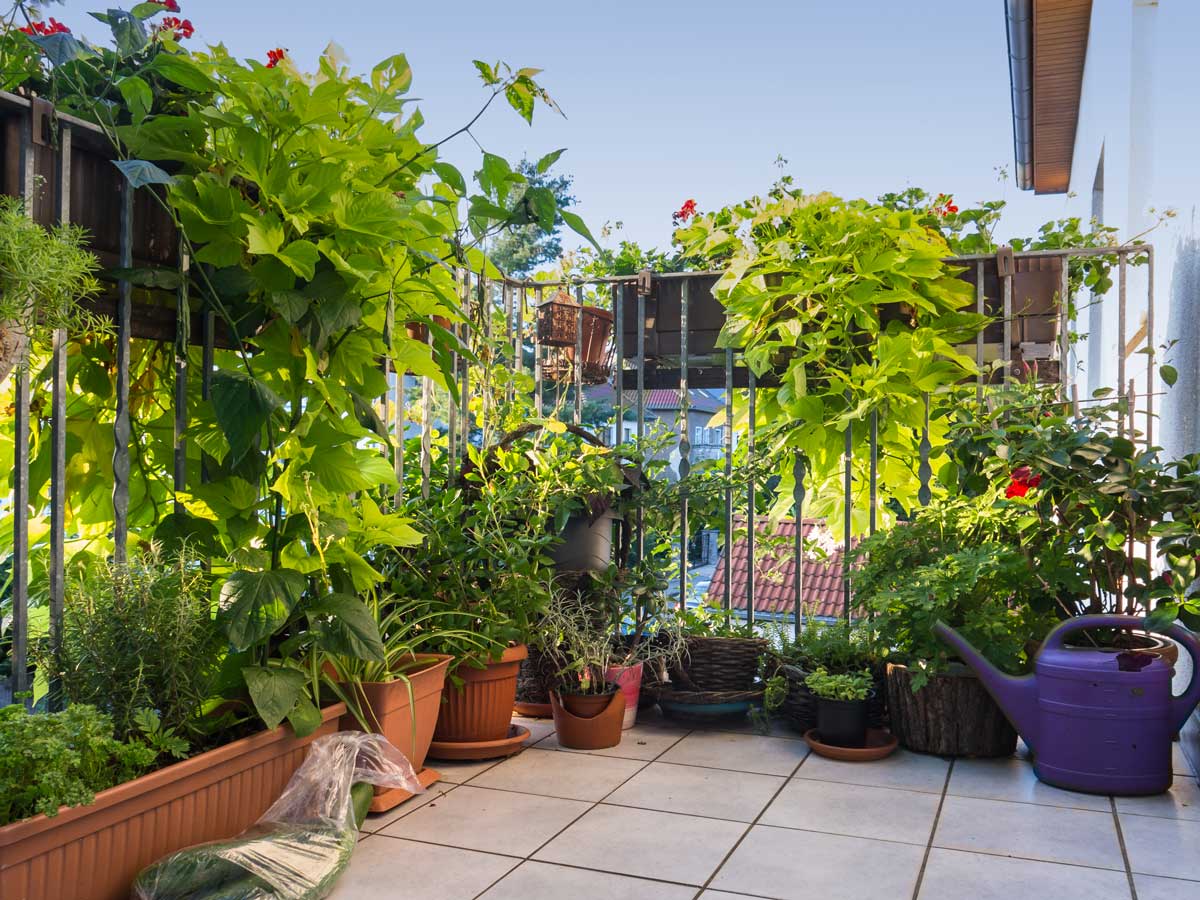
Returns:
point(521, 249)
point(836, 647)
point(842, 686)
point(139, 635)
point(849, 305)
point(61, 759)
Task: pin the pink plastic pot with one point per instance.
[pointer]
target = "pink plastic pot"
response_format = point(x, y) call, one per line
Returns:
point(629, 679)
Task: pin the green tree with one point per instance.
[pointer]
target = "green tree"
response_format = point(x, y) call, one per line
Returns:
point(522, 248)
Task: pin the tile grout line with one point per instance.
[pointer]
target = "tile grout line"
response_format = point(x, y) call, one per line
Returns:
point(732, 850)
point(937, 816)
point(1112, 802)
point(542, 846)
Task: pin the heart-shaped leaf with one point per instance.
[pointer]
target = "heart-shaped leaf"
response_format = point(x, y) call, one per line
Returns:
point(347, 627)
point(255, 604)
point(275, 691)
point(242, 406)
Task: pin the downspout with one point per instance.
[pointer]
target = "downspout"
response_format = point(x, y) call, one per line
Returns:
point(1019, 19)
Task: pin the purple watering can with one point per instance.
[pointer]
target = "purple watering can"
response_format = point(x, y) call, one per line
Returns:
point(1093, 724)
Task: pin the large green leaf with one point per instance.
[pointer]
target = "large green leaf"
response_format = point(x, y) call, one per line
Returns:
point(129, 34)
point(139, 172)
point(255, 604)
point(576, 224)
point(183, 72)
point(347, 627)
point(304, 718)
point(275, 691)
point(242, 406)
point(62, 48)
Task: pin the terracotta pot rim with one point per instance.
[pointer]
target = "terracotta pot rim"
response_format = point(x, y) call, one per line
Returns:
point(435, 660)
point(14, 832)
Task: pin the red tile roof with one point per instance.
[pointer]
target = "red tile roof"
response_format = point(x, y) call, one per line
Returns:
point(775, 576)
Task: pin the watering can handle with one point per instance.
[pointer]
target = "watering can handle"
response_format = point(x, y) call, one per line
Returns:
point(1181, 706)
point(1080, 623)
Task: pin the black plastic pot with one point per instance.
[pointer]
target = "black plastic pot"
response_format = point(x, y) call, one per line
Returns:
point(842, 723)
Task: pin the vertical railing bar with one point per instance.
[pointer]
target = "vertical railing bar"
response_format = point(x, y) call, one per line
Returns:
point(506, 293)
point(121, 425)
point(451, 406)
point(20, 560)
point(848, 511)
point(485, 297)
point(207, 356)
point(641, 411)
point(1064, 338)
point(426, 424)
point(619, 364)
point(183, 321)
point(751, 494)
point(685, 445)
point(798, 550)
point(58, 430)
point(577, 416)
point(727, 594)
point(401, 427)
point(873, 496)
point(1150, 349)
point(464, 387)
point(924, 472)
point(981, 309)
point(519, 332)
point(1122, 262)
point(1006, 350)
point(537, 351)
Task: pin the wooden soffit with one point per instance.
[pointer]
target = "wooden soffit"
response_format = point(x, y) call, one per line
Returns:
point(1060, 37)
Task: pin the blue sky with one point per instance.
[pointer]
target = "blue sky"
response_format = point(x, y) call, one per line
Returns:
point(667, 101)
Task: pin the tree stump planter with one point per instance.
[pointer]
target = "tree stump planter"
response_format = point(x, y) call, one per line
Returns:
point(953, 715)
point(94, 852)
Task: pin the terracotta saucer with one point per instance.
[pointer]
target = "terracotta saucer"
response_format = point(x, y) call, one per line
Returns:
point(880, 743)
point(533, 710)
point(507, 746)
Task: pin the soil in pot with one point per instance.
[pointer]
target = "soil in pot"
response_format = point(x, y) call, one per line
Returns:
point(480, 710)
point(842, 723)
point(952, 715)
point(588, 721)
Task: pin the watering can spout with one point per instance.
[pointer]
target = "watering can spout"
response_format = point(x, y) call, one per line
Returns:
point(1017, 697)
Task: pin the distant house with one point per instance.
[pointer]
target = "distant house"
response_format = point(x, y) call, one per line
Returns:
point(822, 592)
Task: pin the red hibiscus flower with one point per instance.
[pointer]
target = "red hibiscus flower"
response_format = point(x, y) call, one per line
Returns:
point(1020, 481)
point(275, 57)
point(41, 29)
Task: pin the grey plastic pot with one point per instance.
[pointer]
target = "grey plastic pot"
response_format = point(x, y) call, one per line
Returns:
point(586, 543)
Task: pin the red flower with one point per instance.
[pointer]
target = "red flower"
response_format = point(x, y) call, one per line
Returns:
point(168, 5)
point(179, 28)
point(1020, 481)
point(41, 29)
point(944, 206)
point(275, 57)
point(686, 211)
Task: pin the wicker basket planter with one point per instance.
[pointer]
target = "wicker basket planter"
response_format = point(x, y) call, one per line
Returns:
point(721, 664)
point(93, 852)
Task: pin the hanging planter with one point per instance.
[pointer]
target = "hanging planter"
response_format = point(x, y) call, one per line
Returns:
point(558, 324)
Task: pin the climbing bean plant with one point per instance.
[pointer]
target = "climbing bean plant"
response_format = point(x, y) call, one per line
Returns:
point(847, 309)
point(318, 220)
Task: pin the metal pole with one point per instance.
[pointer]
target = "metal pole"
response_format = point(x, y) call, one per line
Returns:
point(537, 352)
point(847, 512)
point(619, 365)
point(873, 498)
point(400, 426)
point(1064, 338)
point(207, 355)
point(426, 424)
point(641, 412)
point(578, 374)
point(727, 594)
point(798, 563)
point(1150, 347)
point(1008, 317)
point(685, 445)
point(924, 472)
point(183, 321)
point(980, 308)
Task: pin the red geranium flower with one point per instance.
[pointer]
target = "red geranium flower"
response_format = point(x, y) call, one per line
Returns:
point(1020, 481)
point(168, 5)
point(275, 57)
point(944, 206)
point(179, 28)
point(686, 211)
point(41, 29)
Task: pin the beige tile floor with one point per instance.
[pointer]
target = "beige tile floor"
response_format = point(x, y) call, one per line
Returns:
point(675, 813)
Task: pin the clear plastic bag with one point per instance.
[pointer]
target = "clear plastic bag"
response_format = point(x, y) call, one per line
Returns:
point(301, 844)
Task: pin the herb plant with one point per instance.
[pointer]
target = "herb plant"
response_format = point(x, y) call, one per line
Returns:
point(844, 686)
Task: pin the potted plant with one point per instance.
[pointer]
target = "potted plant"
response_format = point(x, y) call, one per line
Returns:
point(841, 706)
point(838, 648)
point(716, 674)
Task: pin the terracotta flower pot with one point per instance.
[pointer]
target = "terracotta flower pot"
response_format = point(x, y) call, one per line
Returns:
point(407, 725)
point(588, 721)
point(481, 710)
point(93, 852)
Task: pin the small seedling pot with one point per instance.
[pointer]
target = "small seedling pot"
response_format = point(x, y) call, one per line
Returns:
point(842, 723)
